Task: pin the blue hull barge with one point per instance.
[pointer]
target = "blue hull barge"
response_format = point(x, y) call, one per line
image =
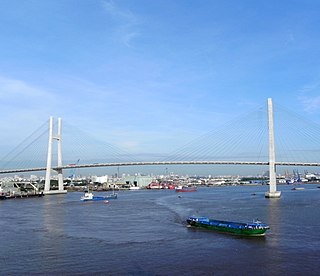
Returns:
point(90, 197)
point(255, 228)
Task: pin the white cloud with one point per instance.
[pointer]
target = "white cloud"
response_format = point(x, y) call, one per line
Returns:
point(310, 87)
point(114, 10)
point(12, 88)
point(311, 104)
point(129, 37)
point(24, 108)
point(309, 97)
point(126, 22)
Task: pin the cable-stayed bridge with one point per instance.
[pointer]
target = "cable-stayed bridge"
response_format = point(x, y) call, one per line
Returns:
point(250, 137)
point(159, 163)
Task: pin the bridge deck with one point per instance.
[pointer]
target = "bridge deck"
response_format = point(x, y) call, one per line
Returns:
point(154, 163)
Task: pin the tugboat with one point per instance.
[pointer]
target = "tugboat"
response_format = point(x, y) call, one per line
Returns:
point(256, 228)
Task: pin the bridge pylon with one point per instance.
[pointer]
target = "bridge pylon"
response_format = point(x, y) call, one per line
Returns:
point(273, 193)
point(57, 137)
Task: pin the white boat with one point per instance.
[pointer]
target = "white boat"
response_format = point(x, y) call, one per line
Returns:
point(134, 188)
point(89, 196)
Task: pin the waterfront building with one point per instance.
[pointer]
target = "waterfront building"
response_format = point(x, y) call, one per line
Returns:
point(137, 181)
point(100, 179)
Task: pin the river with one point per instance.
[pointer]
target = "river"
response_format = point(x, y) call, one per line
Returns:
point(144, 233)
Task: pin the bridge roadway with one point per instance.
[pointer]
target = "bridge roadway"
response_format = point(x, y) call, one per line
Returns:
point(152, 163)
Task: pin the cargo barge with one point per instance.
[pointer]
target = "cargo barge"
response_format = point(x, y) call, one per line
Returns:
point(255, 228)
point(88, 196)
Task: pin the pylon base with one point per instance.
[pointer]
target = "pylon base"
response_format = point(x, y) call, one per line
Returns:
point(55, 192)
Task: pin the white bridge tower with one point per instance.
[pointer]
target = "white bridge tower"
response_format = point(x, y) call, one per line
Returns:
point(52, 137)
point(273, 193)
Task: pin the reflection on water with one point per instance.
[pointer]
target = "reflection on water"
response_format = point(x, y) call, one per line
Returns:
point(274, 215)
point(144, 233)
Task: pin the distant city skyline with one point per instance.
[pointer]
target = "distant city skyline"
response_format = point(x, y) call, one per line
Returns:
point(148, 75)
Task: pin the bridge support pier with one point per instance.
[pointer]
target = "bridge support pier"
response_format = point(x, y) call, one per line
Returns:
point(273, 193)
point(47, 186)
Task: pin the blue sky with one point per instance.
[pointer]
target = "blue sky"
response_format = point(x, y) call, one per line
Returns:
point(148, 76)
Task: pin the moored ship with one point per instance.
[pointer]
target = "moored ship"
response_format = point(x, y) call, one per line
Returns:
point(255, 228)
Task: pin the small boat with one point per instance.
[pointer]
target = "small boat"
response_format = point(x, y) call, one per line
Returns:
point(88, 196)
point(186, 189)
point(256, 228)
point(134, 188)
point(297, 188)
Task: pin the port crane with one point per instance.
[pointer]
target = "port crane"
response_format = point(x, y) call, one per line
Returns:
point(73, 172)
